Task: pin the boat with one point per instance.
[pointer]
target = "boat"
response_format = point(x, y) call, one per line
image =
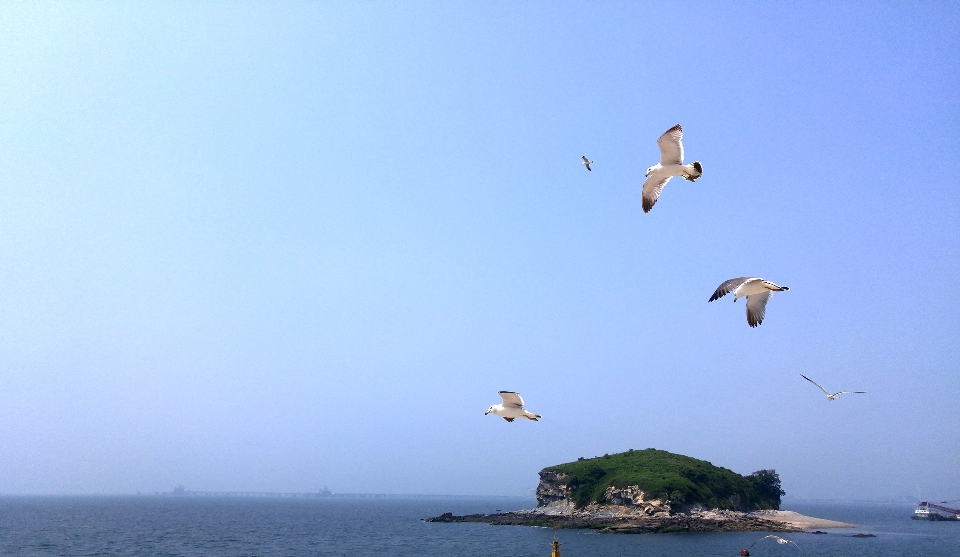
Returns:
point(931, 511)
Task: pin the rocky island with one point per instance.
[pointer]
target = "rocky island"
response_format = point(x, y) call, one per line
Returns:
point(654, 491)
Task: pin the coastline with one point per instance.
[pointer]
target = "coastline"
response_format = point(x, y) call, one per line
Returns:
point(715, 520)
point(803, 522)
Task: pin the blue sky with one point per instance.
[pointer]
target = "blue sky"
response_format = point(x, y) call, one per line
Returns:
point(276, 247)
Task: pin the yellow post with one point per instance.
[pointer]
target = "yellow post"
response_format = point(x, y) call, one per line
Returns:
point(556, 549)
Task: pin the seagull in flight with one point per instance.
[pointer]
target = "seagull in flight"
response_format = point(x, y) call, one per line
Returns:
point(781, 541)
point(833, 396)
point(670, 165)
point(511, 408)
point(756, 290)
point(586, 162)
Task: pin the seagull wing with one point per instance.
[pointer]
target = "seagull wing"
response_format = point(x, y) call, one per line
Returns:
point(851, 393)
point(795, 545)
point(671, 149)
point(763, 538)
point(728, 287)
point(757, 307)
point(815, 383)
point(651, 190)
point(511, 399)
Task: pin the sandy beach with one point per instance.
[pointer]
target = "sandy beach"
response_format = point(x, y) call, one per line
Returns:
point(799, 521)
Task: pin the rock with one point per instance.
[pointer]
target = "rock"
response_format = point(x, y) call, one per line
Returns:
point(450, 517)
point(553, 498)
point(604, 519)
point(551, 488)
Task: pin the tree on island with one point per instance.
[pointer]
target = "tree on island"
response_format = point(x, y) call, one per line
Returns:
point(767, 485)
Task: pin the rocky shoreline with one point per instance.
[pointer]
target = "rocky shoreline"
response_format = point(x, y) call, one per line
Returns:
point(630, 511)
point(707, 521)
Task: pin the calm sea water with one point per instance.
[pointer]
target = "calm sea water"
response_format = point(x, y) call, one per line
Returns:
point(236, 527)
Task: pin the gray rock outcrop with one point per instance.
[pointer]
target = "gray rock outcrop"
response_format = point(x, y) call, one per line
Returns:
point(553, 498)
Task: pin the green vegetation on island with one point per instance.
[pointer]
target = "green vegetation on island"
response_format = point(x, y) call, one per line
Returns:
point(685, 481)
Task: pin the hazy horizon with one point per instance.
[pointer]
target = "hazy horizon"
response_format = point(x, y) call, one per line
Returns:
point(281, 246)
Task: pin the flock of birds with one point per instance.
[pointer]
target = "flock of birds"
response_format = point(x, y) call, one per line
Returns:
point(756, 290)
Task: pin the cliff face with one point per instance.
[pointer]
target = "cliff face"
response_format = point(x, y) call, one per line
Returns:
point(552, 489)
point(553, 498)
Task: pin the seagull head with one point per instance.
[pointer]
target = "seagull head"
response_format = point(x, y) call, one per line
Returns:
point(649, 170)
point(775, 287)
point(491, 409)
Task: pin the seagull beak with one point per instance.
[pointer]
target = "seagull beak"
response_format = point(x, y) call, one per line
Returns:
point(487, 412)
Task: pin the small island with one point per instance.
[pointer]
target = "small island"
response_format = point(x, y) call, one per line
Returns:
point(650, 491)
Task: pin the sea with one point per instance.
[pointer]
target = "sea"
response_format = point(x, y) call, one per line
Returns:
point(387, 526)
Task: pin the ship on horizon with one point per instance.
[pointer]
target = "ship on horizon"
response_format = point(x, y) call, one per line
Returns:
point(929, 511)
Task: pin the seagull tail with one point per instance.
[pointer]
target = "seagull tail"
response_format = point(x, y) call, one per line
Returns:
point(693, 171)
point(532, 417)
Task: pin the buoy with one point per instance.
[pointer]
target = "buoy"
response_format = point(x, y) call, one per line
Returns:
point(556, 549)
point(745, 553)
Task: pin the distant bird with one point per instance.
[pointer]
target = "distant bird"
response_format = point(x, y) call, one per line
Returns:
point(511, 408)
point(780, 541)
point(586, 162)
point(670, 165)
point(834, 395)
point(756, 290)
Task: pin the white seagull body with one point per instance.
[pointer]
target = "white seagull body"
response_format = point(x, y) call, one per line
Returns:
point(586, 162)
point(832, 397)
point(670, 165)
point(511, 408)
point(781, 541)
point(756, 290)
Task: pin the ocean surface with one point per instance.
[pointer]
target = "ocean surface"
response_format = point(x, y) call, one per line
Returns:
point(236, 527)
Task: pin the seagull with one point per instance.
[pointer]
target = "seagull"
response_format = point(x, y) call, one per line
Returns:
point(670, 165)
point(780, 541)
point(834, 395)
point(586, 162)
point(756, 290)
point(511, 408)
